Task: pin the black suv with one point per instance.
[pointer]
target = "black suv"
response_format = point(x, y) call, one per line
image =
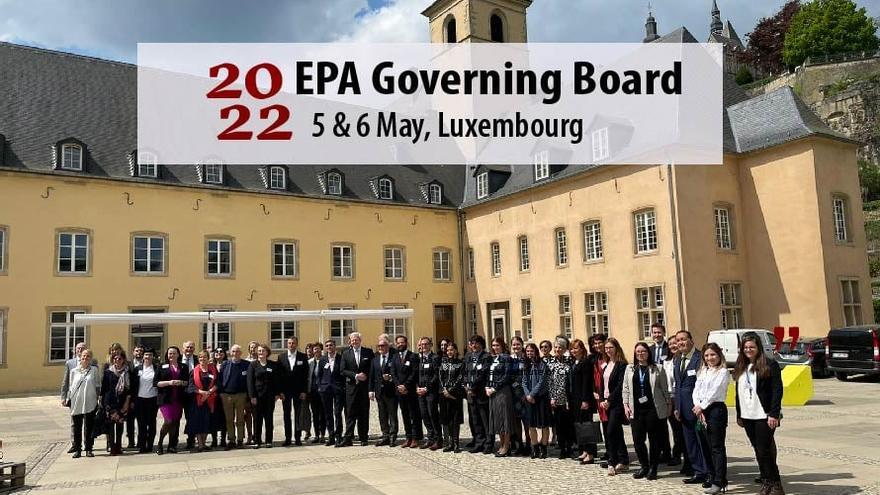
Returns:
point(853, 351)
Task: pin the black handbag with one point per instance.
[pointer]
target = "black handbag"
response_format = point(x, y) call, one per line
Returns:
point(588, 432)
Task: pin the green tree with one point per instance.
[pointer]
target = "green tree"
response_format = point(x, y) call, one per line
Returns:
point(869, 178)
point(826, 27)
point(744, 76)
point(765, 42)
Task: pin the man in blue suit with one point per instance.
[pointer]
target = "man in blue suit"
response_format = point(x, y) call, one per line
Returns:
point(331, 386)
point(685, 369)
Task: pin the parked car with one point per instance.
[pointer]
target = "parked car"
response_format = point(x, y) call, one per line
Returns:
point(728, 340)
point(853, 351)
point(808, 352)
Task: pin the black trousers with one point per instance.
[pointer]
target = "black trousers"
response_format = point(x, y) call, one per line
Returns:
point(430, 411)
point(83, 422)
point(646, 426)
point(316, 404)
point(263, 415)
point(412, 416)
point(387, 404)
point(478, 408)
point(334, 402)
point(146, 410)
point(291, 404)
point(614, 442)
point(678, 448)
point(562, 420)
point(762, 438)
point(115, 433)
point(716, 433)
point(357, 410)
point(130, 422)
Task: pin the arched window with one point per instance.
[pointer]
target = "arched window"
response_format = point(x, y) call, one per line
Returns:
point(451, 35)
point(436, 194)
point(334, 183)
point(386, 190)
point(496, 26)
point(277, 178)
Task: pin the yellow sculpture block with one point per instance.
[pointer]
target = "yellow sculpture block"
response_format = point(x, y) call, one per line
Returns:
point(797, 386)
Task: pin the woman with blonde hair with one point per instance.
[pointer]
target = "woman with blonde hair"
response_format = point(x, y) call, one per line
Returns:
point(710, 392)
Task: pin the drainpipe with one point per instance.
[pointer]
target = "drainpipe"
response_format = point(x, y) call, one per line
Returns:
point(676, 253)
point(462, 263)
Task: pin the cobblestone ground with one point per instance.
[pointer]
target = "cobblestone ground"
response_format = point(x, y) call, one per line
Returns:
point(827, 447)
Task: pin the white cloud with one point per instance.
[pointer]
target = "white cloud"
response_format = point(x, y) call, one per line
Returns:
point(399, 21)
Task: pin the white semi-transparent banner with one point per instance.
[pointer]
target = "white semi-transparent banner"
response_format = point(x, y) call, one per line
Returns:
point(475, 103)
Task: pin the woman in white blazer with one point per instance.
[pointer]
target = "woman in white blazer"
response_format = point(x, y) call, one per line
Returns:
point(647, 403)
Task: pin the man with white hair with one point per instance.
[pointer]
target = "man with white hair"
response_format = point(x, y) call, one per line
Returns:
point(356, 364)
point(65, 383)
point(233, 394)
point(383, 391)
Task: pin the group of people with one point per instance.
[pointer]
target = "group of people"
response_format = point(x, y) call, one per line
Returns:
point(521, 394)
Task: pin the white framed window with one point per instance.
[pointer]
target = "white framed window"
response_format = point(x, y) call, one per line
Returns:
point(593, 241)
point(645, 223)
point(600, 144)
point(219, 257)
point(597, 318)
point(565, 315)
point(435, 194)
point(472, 318)
point(650, 309)
point(730, 296)
point(343, 260)
point(277, 178)
point(284, 259)
point(542, 165)
point(340, 328)
point(394, 264)
point(851, 300)
point(73, 252)
point(841, 218)
point(395, 326)
point(213, 174)
point(71, 157)
point(496, 259)
point(442, 264)
point(561, 247)
point(334, 183)
point(148, 165)
point(723, 230)
point(280, 331)
point(222, 338)
point(148, 254)
point(386, 189)
point(524, 262)
point(64, 335)
point(526, 311)
point(2, 249)
point(482, 185)
point(471, 264)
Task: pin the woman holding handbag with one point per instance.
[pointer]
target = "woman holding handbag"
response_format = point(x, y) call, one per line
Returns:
point(612, 403)
point(451, 396)
point(582, 401)
point(647, 403)
point(536, 406)
point(116, 399)
point(82, 398)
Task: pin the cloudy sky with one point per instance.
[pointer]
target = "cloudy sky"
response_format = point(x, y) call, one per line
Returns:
point(112, 28)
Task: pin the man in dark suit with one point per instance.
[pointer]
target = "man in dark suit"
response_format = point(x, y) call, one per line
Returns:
point(331, 386)
point(428, 391)
point(316, 404)
point(476, 373)
point(295, 366)
point(356, 363)
point(685, 369)
point(405, 373)
point(660, 352)
point(382, 390)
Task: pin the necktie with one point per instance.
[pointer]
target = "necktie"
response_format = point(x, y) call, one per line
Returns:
point(382, 363)
point(683, 363)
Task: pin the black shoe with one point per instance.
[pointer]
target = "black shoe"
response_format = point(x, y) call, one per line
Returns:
point(76, 455)
point(603, 464)
point(707, 484)
point(71, 450)
point(229, 446)
point(172, 450)
point(89, 453)
point(130, 444)
point(160, 451)
point(476, 449)
point(696, 480)
point(686, 472)
point(488, 450)
point(393, 441)
point(675, 461)
point(316, 440)
point(759, 480)
point(456, 449)
point(364, 443)
point(652, 474)
point(641, 473)
point(298, 443)
point(383, 442)
point(449, 447)
point(268, 445)
point(470, 444)
point(143, 450)
point(286, 443)
point(543, 451)
point(329, 443)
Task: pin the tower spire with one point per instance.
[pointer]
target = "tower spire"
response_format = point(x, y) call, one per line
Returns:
point(650, 27)
point(716, 26)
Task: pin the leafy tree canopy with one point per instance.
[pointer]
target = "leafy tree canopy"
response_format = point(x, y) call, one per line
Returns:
point(826, 27)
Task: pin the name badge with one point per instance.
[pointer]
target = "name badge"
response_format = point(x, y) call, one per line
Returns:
point(406, 363)
point(493, 366)
point(244, 373)
point(140, 372)
point(166, 366)
point(426, 366)
point(692, 372)
point(479, 366)
point(521, 365)
point(210, 376)
point(327, 366)
point(299, 363)
point(269, 370)
point(643, 400)
point(363, 359)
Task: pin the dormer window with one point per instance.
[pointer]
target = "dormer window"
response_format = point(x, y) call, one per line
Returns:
point(277, 178)
point(71, 157)
point(482, 185)
point(435, 194)
point(386, 188)
point(213, 173)
point(147, 165)
point(334, 183)
point(542, 165)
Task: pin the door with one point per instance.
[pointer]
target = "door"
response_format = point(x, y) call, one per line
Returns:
point(499, 323)
point(151, 336)
point(443, 323)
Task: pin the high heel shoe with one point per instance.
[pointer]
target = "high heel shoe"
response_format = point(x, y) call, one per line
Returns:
point(587, 460)
point(712, 490)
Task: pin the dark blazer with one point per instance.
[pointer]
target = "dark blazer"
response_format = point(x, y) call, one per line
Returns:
point(683, 391)
point(136, 378)
point(451, 377)
point(499, 373)
point(582, 385)
point(405, 370)
point(476, 373)
point(350, 368)
point(312, 382)
point(615, 385)
point(330, 382)
point(429, 373)
point(535, 379)
point(295, 376)
point(664, 351)
point(769, 391)
point(264, 383)
point(378, 385)
point(163, 375)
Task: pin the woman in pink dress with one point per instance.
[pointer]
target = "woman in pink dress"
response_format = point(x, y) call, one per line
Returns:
point(171, 382)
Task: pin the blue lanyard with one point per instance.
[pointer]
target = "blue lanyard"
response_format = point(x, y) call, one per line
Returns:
point(642, 373)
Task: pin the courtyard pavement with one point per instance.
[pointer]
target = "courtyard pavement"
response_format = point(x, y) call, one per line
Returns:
point(830, 446)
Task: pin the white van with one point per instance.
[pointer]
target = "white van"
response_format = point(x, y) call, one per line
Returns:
point(728, 341)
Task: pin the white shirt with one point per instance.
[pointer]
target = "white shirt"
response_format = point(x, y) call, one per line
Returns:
point(146, 390)
point(711, 386)
point(291, 356)
point(331, 360)
point(749, 403)
point(357, 354)
point(669, 367)
point(606, 377)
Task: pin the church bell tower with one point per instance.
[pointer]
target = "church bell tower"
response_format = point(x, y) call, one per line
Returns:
point(478, 21)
